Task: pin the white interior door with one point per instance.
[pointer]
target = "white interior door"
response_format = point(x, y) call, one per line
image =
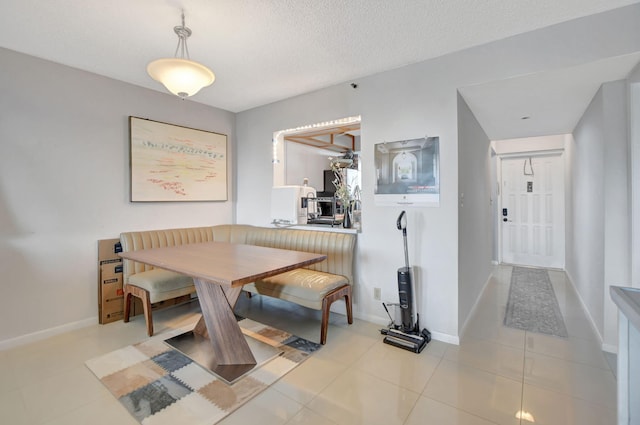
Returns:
point(532, 211)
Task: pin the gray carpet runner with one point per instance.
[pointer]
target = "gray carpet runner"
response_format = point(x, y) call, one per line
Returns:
point(532, 303)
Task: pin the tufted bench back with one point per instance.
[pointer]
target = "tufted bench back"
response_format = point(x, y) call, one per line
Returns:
point(134, 241)
point(338, 247)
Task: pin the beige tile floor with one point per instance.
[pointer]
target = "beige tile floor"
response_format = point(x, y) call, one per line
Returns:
point(494, 376)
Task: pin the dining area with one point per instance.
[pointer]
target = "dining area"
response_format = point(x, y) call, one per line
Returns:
point(219, 271)
point(223, 261)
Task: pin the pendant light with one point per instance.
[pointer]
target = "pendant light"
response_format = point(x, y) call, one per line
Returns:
point(180, 75)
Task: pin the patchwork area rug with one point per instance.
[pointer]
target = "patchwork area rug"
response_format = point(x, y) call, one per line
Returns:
point(532, 304)
point(159, 385)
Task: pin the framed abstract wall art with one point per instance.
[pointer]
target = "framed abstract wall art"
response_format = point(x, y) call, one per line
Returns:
point(408, 172)
point(173, 163)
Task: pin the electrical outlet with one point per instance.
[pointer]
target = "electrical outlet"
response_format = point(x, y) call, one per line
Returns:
point(377, 294)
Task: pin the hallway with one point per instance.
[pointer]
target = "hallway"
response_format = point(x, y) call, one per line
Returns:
point(495, 376)
point(560, 381)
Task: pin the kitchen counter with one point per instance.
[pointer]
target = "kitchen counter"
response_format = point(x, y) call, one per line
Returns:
point(628, 301)
point(628, 376)
point(319, 228)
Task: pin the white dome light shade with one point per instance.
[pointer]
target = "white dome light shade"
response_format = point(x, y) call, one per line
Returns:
point(181, 77)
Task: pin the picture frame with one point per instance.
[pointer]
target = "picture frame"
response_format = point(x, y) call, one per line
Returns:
point(408, 172)
point(172, 163)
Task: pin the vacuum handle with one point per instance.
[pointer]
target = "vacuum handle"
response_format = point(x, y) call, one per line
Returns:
point(401, 223)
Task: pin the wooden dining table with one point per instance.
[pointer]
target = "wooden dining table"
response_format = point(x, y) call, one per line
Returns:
point(219, 271)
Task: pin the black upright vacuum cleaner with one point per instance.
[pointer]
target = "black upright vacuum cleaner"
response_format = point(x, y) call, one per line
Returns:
point(406, 335)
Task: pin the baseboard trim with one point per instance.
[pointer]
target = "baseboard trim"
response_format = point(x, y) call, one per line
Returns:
point(587, 313)
point(475, 304)
point(46, 333)
point(442, 337)
point(377, 320)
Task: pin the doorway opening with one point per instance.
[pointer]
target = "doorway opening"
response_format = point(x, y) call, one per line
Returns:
point(530, 222)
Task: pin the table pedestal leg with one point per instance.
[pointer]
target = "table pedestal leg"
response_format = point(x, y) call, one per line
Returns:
point(228, 342)
point(217, 342)
point(232, 295)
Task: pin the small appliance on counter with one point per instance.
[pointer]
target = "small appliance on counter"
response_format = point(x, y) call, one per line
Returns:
point(290, 205)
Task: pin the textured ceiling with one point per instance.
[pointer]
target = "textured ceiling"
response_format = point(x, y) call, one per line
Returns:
point(263, 51)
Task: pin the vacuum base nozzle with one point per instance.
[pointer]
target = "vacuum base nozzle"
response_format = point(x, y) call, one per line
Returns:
point(405, 345)
point(414, 342)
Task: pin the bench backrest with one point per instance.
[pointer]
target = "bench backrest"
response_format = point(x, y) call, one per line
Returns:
point(338, 247)
point(133, 241)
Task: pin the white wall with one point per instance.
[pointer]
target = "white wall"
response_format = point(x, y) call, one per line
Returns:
point(306, 161)
point(585, 264)
point(569, 214)
point(475, 210)
point(617, 204)
point(432, 232)
point(634, 175)
point(599, 248)
point(64, 184)
point(409, 102)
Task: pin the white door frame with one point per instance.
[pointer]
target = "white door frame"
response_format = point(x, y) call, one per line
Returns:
point(501, 157)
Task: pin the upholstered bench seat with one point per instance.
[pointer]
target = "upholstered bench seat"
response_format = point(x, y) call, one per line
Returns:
point(301, 286)
point(310, 288)
point(162, 284)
